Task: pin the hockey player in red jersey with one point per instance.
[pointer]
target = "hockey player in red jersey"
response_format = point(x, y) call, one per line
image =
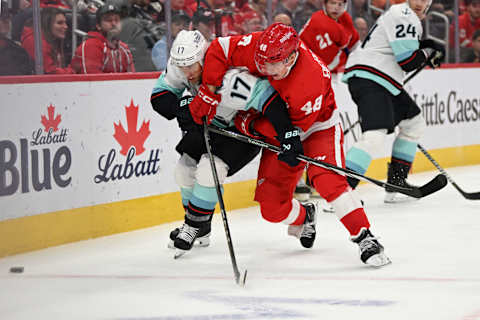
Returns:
point(330, 34)
point(309, 125)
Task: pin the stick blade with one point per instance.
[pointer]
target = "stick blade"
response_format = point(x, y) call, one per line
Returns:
point(242, 277)
point(471, 196)
point(437, 183)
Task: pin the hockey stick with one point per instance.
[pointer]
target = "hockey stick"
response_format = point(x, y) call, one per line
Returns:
point(239, 278)
point(351, 127)
point(467, 195)
point(434, 185)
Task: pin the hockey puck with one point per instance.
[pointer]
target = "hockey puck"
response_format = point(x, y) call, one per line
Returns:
point(16, 269)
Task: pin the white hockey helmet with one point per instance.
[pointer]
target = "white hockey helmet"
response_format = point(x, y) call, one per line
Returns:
point(429, 3)
point(189, 47)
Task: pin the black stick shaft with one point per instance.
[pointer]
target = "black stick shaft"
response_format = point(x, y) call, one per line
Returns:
point(343, 171)
point(236, 272)
point(470, 196)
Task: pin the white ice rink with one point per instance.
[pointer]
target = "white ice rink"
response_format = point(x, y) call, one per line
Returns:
point(434, 244)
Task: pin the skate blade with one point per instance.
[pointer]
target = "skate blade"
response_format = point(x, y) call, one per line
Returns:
point(295, 231)
point(378, 260)
point(394, 197)
point(201, 243)
point(179, 253)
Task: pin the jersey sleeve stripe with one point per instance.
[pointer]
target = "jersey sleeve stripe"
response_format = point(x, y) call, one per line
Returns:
point(158, 95)
point(403, 62)
point(269, 101)
point(225, 45)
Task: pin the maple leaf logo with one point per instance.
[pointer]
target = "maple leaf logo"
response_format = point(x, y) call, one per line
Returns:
point(132, 137)
point(52, 121)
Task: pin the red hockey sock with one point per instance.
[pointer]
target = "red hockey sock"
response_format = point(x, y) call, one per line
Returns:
point(355, 220)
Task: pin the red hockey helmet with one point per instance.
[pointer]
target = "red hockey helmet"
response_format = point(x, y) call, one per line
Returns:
point(276, 44)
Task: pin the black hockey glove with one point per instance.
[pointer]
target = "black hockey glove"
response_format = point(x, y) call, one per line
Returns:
point(184, 117)
point(291, 147)
point(435, 58)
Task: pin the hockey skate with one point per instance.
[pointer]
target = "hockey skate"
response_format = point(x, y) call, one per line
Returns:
point(305, 232)
point(397, 175)
point(302, 191)
point(371, 251)
point(188, 235)
point(199, 242)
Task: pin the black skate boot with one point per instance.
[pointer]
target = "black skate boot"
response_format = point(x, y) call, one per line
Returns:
point(397, 175)
point(190, 233)
point(371, 251)
point(305, 232)
point(199, 242)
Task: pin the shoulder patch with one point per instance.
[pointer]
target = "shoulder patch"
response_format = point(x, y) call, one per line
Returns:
point(406, 11)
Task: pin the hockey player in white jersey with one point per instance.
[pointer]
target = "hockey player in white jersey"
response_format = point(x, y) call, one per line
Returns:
point(375, 73)
point(240, 91)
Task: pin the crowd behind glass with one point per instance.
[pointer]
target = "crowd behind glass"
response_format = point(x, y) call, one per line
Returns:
point(93, 36)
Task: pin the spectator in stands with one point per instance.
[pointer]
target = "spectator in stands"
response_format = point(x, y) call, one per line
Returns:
point(54, 29)
point(159, 51)
point(248, 21)
point(140, 31)
point(103, 52)
point(361, 26)
point(306, 11)
point(359, 8)
point(283, 18)
point(289, 7)
point(467, 24)
point(20, 18)
point(209, 5)
point(14, 60)
point(204, 21)
point(177, 7)
point(259, 6)
point(473, 53)
point(377, 8)
point(220, 10)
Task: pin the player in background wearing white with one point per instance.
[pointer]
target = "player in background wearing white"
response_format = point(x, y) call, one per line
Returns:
point(330, 34)
point(240, 91)
point(375, 73)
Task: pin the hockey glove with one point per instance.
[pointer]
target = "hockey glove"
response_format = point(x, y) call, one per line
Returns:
point(434, 59)
point(244, 123)
point(291, 147)
point(204, 104)
point(184, 117)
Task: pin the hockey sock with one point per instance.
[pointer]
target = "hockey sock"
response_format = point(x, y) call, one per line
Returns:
point(355, 221)
point(404, 150)
point(186, 194)
point(202, 202)
point(357, 160)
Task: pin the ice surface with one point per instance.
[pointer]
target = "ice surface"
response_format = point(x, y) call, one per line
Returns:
point(433, 243)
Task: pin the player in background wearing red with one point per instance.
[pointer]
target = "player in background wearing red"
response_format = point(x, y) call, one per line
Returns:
point(330, 34)
point(309, 125)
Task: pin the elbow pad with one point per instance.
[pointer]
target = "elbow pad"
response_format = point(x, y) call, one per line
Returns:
point(165, 103)
point(414, 61)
